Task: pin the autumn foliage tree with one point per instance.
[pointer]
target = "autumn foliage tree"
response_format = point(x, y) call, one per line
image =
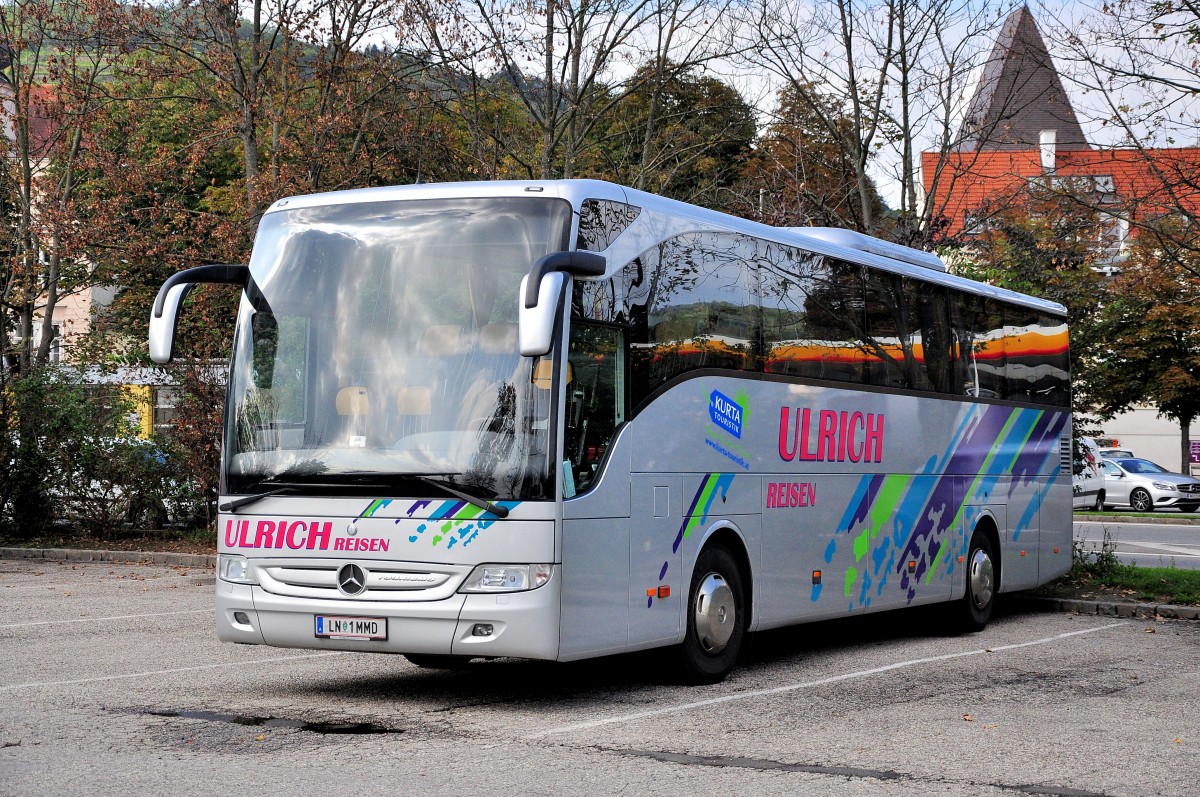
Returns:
point(1148, 339)
point(686, 136)
point(805, 176)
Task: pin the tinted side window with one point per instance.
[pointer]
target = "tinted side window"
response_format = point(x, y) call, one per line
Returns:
point(1054, 386)
point(980, 332)
point(1035, 347)
point(697, 309)
point(934, 339)
point(785, 282)
point(893, 350)
point(690, 302)
point(836, 313)
point(601, 221)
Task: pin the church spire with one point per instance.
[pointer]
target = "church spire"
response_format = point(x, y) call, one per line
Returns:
point(1020, 94)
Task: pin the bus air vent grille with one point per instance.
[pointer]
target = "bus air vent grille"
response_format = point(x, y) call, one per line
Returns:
point(390, 581)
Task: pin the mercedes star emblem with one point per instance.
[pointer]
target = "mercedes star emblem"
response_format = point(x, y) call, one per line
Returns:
point(352, 579)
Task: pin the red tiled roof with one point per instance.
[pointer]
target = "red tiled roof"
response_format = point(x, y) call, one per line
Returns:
point(42, 122)
point(1144, 183)
point(44, 116)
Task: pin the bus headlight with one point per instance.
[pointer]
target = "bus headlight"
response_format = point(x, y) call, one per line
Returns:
point(231, 567)
point(506, 578)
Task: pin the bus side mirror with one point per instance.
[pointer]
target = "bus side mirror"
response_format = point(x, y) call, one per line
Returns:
point(162, 325)
point(540, 292)
point(535, 325)
point(165, 316)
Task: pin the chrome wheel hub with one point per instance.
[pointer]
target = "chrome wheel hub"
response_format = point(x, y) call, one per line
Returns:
point(982, 577)
point(715, 613)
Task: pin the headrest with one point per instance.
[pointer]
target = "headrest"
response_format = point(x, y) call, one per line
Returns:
point(498, 338)
point(353, 401)
point(442, 339)
point(414, 400)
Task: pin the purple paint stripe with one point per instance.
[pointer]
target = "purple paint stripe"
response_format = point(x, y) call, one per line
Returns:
point(448, 509)
point(1042, 444)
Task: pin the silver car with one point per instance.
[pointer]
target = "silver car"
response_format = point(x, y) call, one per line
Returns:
point(1144, 486)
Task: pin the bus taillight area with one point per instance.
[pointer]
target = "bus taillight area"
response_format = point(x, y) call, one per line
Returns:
point(509, 624)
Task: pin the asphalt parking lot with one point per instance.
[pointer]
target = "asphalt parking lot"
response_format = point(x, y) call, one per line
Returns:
point(112, 681)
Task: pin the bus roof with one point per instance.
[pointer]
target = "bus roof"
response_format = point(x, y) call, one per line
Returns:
point(832, 242)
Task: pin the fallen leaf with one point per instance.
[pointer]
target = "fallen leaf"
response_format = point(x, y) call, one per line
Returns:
point(259, 738)
point(968, 718)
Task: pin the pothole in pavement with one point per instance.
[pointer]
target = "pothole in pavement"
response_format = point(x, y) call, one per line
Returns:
point(322, 727)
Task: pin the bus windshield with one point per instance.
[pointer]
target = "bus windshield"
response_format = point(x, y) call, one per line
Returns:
point(377, 348)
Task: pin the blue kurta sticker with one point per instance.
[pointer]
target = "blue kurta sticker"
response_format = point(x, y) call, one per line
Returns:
point(725, 412)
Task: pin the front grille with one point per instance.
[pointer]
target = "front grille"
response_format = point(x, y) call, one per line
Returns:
point(384, 582)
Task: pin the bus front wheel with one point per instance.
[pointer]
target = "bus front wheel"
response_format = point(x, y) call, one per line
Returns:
point(977, 604)
point(434, 661)
point(716, 618)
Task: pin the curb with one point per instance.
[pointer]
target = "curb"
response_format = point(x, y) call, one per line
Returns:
point(124, 557)
point(1148, 611)
point(1114, 518)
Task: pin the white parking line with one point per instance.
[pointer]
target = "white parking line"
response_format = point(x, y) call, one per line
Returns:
point(101, 619)
point(73, 681)
point(1187, 552)
point(819, 682)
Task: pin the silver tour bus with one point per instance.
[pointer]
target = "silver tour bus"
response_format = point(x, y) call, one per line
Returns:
point(565, 419)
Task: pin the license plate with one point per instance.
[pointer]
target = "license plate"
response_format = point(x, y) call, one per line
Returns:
point(333, 627)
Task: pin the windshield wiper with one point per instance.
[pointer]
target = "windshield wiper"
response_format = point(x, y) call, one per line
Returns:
point(246, 500)
point(291, 487)
point(482, 503)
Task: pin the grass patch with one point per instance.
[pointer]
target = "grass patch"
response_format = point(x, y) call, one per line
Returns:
point(1100, 575)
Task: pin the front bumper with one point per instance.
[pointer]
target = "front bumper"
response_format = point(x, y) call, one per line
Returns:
point(524, 624)
point(1173, 498)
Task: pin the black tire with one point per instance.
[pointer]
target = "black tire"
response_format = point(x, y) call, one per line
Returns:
point(434, 661)
point(716, 618)
point(1140, 501)
point(1188, 507)
point(975, 608)
point(1099, 505)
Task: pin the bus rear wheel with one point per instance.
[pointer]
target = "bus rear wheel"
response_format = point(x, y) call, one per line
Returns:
point(716, 618)
point(977, 604)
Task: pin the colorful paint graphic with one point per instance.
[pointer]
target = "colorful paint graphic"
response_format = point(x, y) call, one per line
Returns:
point(452, 522)
point(711, 486)
point(910, 528)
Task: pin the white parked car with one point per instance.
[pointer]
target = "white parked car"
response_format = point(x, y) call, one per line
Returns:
point(1117, 453)
point(1144, 486)
point(1087, 478)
